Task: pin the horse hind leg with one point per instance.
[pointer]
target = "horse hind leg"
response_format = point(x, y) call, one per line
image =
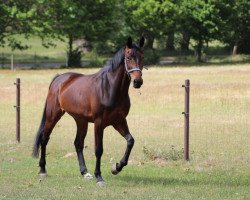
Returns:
point(82, 127)
point(52, 117)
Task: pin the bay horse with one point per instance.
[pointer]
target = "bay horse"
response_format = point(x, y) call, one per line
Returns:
point(101, 98)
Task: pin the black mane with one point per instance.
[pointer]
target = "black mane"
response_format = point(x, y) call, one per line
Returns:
point(118, 58)
point(115, 62)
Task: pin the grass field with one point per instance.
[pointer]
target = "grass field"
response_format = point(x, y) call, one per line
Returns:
point(219, 128)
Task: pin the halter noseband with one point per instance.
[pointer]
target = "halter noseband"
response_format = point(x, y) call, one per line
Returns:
point(130, 70)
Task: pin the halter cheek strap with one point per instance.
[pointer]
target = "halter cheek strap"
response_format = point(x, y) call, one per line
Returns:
point(130, 70)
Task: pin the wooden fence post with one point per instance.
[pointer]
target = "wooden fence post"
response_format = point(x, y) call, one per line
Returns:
point(186, 120)
point(17, 106)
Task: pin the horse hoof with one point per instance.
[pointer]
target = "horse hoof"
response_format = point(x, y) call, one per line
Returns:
point(101, 183)
point(43, 175)
point(114, 170)
point(88, 176)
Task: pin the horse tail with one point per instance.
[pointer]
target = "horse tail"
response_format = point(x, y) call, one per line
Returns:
point(39, 134)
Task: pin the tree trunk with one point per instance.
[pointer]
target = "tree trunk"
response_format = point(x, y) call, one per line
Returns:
point(199, 50)
point(185, 41)
point(70, 42)
point(150, 42)
point(235, 49)
point(70, 52)
point(170, 42)
point(74, 55)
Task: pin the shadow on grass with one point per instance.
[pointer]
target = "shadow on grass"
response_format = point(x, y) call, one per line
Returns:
point(187, 180)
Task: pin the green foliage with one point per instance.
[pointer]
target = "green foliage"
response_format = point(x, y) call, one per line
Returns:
point(149, 18)
point(17, 17)
point(90, 20)
point(141, 15)
point(237, 25)
point(86, 19)
point(200, 19)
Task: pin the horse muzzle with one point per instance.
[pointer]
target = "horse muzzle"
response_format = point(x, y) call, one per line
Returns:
point(137, 83)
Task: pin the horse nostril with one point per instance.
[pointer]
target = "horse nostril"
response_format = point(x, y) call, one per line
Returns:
point(138, 83)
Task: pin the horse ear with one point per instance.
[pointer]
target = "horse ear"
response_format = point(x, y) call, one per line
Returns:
point(129, 43)
point(142, 40)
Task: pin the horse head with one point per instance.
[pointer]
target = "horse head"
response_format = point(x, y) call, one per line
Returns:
point(134, 61)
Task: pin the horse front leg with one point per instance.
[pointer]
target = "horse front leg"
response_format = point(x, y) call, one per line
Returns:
point(98, 152)
point(122, 128)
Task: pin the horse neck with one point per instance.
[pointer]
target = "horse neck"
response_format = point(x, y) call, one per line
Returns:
point(121, 80)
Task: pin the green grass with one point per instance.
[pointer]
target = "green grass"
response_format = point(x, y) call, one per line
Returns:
point(148, 181)
point(36, 51)
point(219, 142)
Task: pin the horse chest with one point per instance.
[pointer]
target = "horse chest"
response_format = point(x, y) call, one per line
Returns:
point(116, 113)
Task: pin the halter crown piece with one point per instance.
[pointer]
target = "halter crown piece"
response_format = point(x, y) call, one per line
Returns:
point(130, 70)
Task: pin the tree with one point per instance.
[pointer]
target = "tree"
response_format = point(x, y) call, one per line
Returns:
point(91, 20)
point(17, 17)
point(237, 25)
point(201, 20)
point(168, 15)
point(144, 18)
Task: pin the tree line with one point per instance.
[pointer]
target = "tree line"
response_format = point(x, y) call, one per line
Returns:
point(105, 24)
